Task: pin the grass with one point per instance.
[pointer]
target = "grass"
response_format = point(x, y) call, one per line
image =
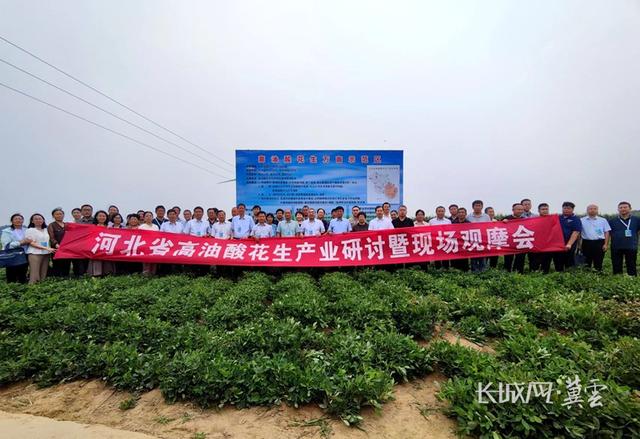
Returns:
point(129, 403)
point(340, 340)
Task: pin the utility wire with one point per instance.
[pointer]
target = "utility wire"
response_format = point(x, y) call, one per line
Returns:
point(112, 99)
point(109, 112)
point(108, 129)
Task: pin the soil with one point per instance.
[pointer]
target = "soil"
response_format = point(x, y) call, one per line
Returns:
point(91, 409)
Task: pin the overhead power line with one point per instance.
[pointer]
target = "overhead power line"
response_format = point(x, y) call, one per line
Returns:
point(146, 145)
point(112, 99)
point(109, 113)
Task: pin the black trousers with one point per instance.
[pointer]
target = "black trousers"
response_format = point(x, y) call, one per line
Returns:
point(564, 260)
point(17, 274)
point(61, 267)
point(460, 264)
point(593, 253)
point(515, 262)
point(534, 261)
point(80, 267)
point(630, 257)
point(540, 262)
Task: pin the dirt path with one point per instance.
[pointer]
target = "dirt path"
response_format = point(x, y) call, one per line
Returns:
point(20, 426)
point(413, 414)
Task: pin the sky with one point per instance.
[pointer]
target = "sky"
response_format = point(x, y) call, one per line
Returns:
point(496, 100)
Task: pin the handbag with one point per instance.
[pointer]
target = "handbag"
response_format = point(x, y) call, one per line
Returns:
point(11, 257)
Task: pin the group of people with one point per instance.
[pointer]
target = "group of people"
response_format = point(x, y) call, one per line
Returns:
point(592, 234)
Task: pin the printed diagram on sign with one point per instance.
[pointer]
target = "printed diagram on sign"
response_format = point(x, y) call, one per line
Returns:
point(383, 184)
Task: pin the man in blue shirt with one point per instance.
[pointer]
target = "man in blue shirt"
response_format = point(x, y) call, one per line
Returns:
point(339, 225)
point(242, 224)
point(571, 228)
point(624, 239)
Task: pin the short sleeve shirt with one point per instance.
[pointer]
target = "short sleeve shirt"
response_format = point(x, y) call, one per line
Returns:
point(242, 227)
point(312, 228)
point(170, 227)
point(287, 228)
point(569, 225)
point(220, 230)
point(594, 228)
point(339, 225)
point(262, 230)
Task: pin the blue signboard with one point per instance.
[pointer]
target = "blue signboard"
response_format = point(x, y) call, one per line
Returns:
point(318, 178)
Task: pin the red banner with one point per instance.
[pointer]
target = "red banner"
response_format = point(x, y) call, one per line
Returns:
point(396, 246)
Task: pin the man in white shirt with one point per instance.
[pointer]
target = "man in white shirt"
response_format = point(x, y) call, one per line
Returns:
point(261, 229)
point(312, 226)
point(380, 222)
point(173, 225)
point(197, 226)
point(178, 210)
point(440, 218)
point(242, 224)
point(222, 228)
point(595, 237)
point(386, 211)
